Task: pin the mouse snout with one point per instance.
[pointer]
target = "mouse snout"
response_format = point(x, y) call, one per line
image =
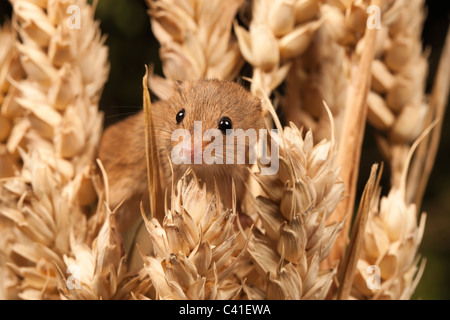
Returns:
point(188, 151)
point(185, 151)
point(188, 154)
point(194, 149)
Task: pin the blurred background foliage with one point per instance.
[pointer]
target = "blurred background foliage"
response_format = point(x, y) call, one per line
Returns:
point(131, 44)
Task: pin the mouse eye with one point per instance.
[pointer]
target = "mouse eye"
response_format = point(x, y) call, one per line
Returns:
point(180, 116)
point(224, 124)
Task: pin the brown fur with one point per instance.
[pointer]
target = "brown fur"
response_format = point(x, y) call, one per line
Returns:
point(122, 148)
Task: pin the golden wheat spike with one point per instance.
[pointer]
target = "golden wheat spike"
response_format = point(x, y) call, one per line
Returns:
point(196, 41)
point(388, 267)
point(196, 249)
point(279, 31)
point(55, 134)
point(294, 233)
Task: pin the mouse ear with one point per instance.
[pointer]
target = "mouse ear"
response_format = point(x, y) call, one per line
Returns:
point(178, 86)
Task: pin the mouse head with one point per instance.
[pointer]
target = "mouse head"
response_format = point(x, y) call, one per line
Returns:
point(209, 124)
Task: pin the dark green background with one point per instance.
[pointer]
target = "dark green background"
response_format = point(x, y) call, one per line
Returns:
point(132, 45)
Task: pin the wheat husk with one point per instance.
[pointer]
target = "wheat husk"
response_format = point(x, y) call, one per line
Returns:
point(399, 76)
point(8, 162)
point(10, 70)
point(393, 236)
point(55, 132)
point(320, 74)
point(396, 102)
point(421, 168)
point(393, 233)
point(196, 249)
point(331, 71)
point(196, 41)
point(353, 250)
point(278, 32)
point(294, 235)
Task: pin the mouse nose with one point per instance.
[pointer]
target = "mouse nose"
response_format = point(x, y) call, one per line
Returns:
point(187, 153)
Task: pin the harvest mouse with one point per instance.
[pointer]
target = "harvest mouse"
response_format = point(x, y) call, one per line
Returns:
point(182, 128)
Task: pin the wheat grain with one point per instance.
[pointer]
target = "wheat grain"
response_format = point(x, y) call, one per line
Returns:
point(279, 31)
point(56, 128)
point(196, 41)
